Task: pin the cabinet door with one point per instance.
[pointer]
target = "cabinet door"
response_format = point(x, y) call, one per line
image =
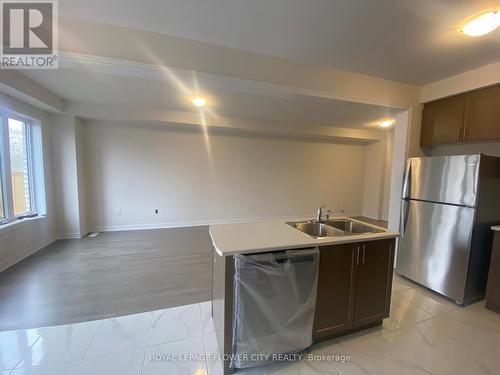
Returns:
point(442, 122)
point(335, 296)
point(482, 115)
point(373, 282)
point(493, 286)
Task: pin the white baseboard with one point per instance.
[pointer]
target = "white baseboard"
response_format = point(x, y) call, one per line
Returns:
point(24, 254)
point(183, 224)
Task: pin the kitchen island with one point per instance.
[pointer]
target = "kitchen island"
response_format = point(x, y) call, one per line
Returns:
point(354, 274)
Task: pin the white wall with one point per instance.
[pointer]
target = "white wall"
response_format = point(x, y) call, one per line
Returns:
point(474, 79)
point(374, 172)
point(70, 214)
point(386, 193)
point(133, 169)
point(24, 238)
point(80, 174)
point(377, 179)
point(65, 177)
point(378, 163)
point(398, 164)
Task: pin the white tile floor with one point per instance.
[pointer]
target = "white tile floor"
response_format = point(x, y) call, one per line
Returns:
point(425, 334)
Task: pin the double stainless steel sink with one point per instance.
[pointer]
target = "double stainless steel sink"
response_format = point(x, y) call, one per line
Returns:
point(333, 228)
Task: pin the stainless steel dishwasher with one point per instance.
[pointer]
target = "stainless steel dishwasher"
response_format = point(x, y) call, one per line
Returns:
point(273, 307)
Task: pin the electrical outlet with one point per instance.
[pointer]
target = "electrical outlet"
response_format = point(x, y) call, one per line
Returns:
point(157, 211)
point(119, 212)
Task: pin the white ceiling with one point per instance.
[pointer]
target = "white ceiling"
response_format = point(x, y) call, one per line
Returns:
point(108, 89)
point(414, 41)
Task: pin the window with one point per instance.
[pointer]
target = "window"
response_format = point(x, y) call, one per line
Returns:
point(19, 167)
point(17, 198)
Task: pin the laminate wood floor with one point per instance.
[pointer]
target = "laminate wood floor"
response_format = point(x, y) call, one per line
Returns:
point(115, 273)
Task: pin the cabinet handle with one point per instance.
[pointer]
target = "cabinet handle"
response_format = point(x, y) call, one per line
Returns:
point(465, 133)
point(364, 250)
point(458, 134)
point(357, 257)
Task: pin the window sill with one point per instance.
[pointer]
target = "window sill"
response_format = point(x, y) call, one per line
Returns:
point(19, 223)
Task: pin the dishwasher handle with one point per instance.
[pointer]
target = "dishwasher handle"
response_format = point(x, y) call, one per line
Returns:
point(280, 257)
point(297, 259)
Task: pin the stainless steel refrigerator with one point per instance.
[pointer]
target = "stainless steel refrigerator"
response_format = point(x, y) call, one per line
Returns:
point(448, 206)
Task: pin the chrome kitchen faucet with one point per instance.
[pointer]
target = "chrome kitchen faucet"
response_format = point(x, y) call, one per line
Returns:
point(320, 216)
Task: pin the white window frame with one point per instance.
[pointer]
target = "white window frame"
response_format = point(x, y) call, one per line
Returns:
point(3, 192)
point(5, 167)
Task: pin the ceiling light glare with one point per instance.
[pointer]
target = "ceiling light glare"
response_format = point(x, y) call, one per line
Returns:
point(198, 101)
point(482, 24)
point(386, 124)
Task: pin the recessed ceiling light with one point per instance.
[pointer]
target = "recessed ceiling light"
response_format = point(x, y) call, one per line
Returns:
point(386, 124)
point(482, 24)
point(198, 101)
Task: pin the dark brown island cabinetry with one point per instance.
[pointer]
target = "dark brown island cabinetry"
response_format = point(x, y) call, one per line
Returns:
point(354, 287)
point(469, 117)
point(336, 286)
point(354, 291)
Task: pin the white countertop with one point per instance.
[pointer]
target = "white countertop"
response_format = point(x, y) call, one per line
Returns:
point(234, 239)
point(496, 228)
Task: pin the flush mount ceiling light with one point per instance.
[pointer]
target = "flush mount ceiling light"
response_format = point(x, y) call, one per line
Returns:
point(198, 101)
point(483, 24)
point(386, 123)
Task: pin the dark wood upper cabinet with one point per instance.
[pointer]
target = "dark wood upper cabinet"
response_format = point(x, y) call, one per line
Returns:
point(482, 115)
point(373, 282)
point(335, 295)
point(443, 122)
point(469, 117)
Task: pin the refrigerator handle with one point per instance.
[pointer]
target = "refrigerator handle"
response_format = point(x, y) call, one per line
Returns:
point(404, 216)
point(407, 179)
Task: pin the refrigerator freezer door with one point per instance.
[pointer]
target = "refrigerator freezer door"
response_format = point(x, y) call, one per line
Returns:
point(446, 179)
point(435, 245)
